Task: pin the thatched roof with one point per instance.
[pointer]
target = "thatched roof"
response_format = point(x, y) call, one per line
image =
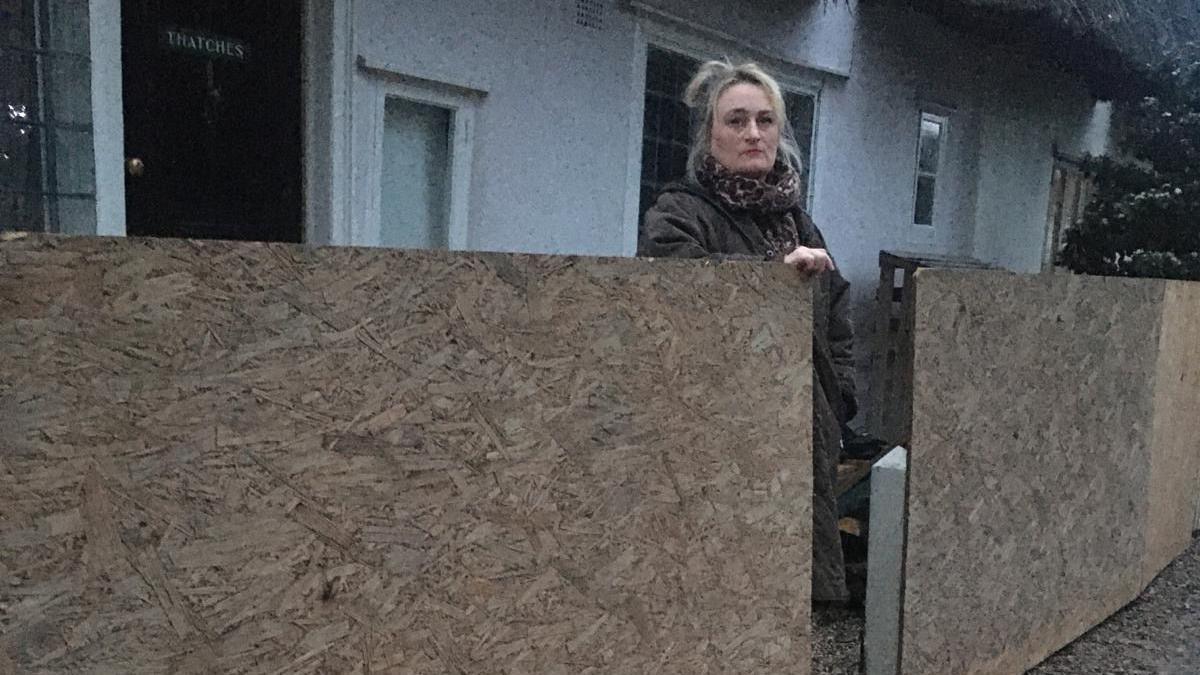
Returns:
point(1113, 43)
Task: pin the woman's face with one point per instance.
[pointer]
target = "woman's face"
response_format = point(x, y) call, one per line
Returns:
point(745, 132)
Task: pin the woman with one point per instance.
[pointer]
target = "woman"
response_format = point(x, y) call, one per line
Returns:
point(741, 197)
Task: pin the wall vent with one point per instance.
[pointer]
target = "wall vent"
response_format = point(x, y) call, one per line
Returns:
point(589, 14)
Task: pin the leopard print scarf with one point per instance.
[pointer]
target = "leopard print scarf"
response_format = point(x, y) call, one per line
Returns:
point(769, 200)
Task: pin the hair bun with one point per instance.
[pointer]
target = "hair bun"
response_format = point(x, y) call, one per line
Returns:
point(696, 94)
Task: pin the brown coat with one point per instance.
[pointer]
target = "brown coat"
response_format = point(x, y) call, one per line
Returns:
point(687, 222)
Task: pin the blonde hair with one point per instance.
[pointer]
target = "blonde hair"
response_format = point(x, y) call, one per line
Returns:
point(709, 82)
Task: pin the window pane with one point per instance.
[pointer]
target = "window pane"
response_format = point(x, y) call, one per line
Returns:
point(682, 69)
point(650, 117)
point(74, 162)
point(931, 143)
point(681, 131)
point(649, 162)
point(69, 85)
point(666, 163)
point(415, 180)
point(20, 157)
point(76, 215)
point(21, 211)
point(18, 91)
point(646, 193)
point(801, 109)
point(69, 30)
point(667, 73)
point(670, 114)
point(679, 155)
point(658, 78)
point(16, 23)
point(666, 132)
point(923, 213)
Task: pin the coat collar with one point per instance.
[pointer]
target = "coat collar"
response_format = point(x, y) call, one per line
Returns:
point(743, 226)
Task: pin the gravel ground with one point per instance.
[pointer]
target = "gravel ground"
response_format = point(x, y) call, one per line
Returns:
point(836, 640)
point(1159, 633)
point(1156, 634)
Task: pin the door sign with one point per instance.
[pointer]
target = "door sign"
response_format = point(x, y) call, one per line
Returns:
point(199, 43)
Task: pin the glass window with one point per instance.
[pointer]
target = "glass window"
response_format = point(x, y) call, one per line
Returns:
point(69, 30)
point(68, 83)
point(667, 124)
point(415, 175)
point(21, 210)
point(18, 83)
point(47, 172)
point(77, 214)
point(20, 158)
point(923, 212)
point(17, 24)
point(929, 153)
point(931, 143)
point(74, 163)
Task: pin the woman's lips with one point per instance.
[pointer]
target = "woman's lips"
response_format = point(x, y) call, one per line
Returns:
point(755, 151)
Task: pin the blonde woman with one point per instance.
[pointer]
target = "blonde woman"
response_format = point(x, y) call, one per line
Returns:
point(741, 197)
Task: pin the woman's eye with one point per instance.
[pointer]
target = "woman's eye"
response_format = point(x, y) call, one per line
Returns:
point(766, 121)
point(737, 121)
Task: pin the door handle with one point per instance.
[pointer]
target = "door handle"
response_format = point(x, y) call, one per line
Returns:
point(135, 167)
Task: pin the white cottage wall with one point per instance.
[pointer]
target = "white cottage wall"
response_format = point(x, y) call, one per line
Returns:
point(558, 132)
point(550, 158)
point(814, 33)
point(552, 170)
point(1014, 185)
point(1007, 112)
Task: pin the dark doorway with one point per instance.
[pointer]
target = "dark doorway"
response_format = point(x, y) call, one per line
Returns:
point(212, 118)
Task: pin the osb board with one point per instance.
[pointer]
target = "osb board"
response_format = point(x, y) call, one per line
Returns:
point(1030, 469)
point(1175, 455)
point(260, 459)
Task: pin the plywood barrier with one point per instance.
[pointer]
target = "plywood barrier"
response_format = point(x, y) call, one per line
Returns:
point(1054, 463)
point(258, 458)
point(1175, 430)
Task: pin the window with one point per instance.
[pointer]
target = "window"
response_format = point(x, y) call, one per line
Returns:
point(47, 161)
point(412, 166)
point(415, 175)
point(929, 155)
point(667, 124)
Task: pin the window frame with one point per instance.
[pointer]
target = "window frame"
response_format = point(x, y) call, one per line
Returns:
point(41, 53)
point(645, 93)
point(942, 118)
point(379, 84)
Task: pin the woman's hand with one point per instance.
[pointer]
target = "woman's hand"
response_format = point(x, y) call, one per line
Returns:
point(809, 261)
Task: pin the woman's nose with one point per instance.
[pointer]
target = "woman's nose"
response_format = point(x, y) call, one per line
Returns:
point(752, 133)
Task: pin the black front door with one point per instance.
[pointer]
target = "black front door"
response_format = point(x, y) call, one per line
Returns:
point(212, 118)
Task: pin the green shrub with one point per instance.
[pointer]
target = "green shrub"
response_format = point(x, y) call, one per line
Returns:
point(1144, 216)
